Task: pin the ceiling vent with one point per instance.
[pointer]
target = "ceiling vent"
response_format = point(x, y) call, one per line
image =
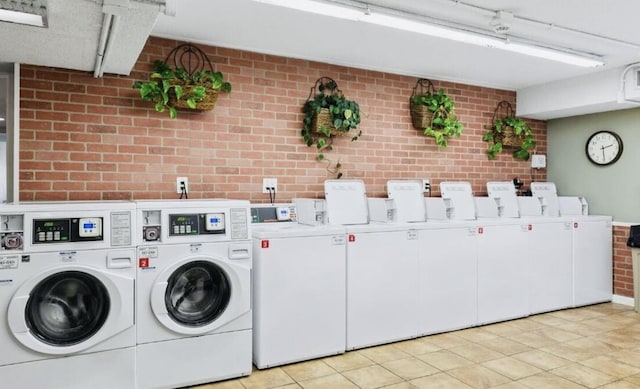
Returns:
point(630, 84)
point(501, 22)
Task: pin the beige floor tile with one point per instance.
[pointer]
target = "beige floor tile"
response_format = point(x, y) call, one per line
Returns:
point(476, 353)
point(533, 339)
point(572, 353)
point(445, 360)
point(348, 361)
point(527, 324)
point(512, 368)
point(608, 322)
point(401, 385)
point(550, 381)
point(334, 381)
point(593, 344)
point(372, 377)
point(417, 346)
point(505, 329)
point(630, 357)
point(620, 385)
point(549, 320)
point(476, 334)
point(307, 370)
point(511, 385)
point(634, 379)
point(580, 329)
point(447, 340)
point(583, 375)
point(439, 381)
point(410, 368)
point(289, 386)
point(619, 339)
point(542, 360)
point(266, 379)
point(558, 334)
point(505, 346)
point(478, 376)
point(381, 354)
point(576, 314)
point(612, 367)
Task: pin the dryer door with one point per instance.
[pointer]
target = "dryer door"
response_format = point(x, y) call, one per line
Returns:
point(69, 309)
point(199, 294)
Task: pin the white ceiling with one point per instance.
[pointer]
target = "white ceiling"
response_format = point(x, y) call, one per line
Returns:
point(605, 28)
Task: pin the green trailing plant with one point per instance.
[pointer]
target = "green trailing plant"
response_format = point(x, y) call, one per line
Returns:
point(497, 134)
point(327, 115)
point(167, 86)
point(443, 124)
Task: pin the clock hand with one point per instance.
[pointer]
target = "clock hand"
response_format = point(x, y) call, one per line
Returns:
point(604, 147)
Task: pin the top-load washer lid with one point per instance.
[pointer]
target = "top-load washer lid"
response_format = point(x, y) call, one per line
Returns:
point(458, 198)
point(570, 205)
point(346, 202)
point(409, 200)
point(504, 192)
point(436, 210)
point(529, 206)
point(548, 195)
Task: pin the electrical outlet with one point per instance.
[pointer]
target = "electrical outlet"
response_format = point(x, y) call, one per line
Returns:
point(269, 183)
point(182, 182)
point(426, 186)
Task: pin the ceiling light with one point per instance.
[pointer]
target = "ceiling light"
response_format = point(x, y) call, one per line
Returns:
point(413, 23)
point(30, 12)
point(1, 119)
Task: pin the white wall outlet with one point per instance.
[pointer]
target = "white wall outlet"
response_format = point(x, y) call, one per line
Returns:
point(182, 182)
point(538, 161)
point(269, 183)
point(426, 186)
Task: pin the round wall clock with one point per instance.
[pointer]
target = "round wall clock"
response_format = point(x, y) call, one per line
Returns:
point(604, 148)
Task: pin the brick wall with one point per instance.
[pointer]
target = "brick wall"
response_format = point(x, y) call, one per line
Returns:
point(622, 269)
point(88, 138)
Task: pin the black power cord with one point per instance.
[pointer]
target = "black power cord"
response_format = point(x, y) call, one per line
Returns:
point(183, 191)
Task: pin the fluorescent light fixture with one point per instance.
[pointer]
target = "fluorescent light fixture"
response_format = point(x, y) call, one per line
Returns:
point(406, 22)
point(30, 12)
point(1, 119)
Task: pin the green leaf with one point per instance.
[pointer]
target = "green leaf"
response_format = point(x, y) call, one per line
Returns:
point(173, 113)
point(191, 103)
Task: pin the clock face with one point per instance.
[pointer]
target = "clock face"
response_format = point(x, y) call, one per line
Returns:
point(604, 148)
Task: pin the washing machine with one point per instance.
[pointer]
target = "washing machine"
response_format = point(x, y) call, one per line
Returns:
point(591, 242)
point(382, 269)
point(67, 274)
point(299, 289)
point(448, 269)
point(193, 295)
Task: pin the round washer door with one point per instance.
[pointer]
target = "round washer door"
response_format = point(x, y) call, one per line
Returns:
point(69, 309)
point(199, 294)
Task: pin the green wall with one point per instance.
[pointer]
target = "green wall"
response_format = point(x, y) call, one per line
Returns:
point(610, 190)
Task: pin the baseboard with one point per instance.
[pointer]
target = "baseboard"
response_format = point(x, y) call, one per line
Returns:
point(624, 300)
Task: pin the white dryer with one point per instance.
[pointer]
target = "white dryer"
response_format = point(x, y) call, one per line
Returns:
point(67, 273)
point(193, 298)
point(299, 289)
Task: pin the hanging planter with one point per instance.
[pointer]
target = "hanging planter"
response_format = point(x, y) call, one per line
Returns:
point(327, 115)
point(191, 83)
point(507, 131)
point(433, 112)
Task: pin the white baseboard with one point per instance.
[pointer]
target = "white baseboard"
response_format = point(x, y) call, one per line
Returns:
point(624, 300)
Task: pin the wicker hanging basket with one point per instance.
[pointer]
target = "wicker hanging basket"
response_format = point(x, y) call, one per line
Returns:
point(193, 60)
point(324, 119)
point(421, 116)
point(507, 137)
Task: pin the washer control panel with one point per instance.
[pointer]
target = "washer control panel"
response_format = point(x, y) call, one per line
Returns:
point(196, 224)
point(67, 230)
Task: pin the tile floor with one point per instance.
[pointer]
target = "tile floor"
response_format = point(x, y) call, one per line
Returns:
point(590, 347)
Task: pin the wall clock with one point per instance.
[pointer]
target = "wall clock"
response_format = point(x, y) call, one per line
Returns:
point(604, 148)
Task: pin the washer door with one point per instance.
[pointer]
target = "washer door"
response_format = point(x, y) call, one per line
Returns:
point(199, 294)
point(69, 309)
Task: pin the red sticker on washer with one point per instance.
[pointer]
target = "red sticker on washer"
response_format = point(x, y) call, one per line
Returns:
point(264, 243)
point(352, 238)
point(143, 262)
point(530, 227)
point(575, 225)
point(480, 230)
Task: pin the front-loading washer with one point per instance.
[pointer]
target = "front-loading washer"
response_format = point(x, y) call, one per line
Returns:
point(67, 274)
point(193, 298)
